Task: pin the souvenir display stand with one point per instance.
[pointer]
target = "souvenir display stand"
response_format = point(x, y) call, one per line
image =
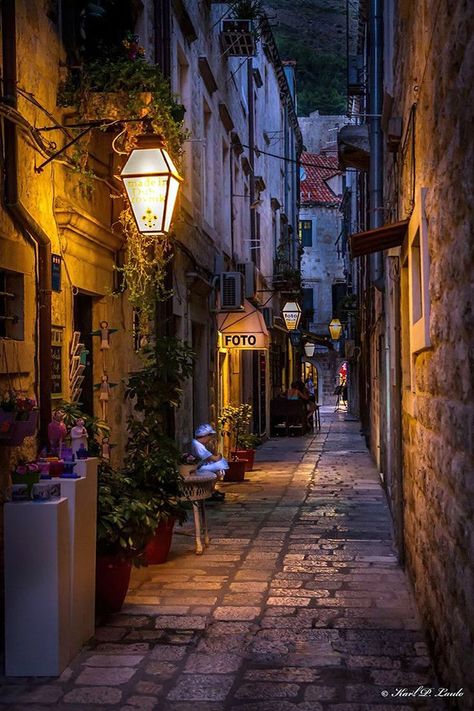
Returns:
point(82, 504)
point(37, 588)
point(50, 550)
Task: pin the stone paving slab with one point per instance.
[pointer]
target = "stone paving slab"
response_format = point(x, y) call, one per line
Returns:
point(298, 604)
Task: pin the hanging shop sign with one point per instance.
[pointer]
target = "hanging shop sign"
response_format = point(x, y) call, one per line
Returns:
point(243, 330)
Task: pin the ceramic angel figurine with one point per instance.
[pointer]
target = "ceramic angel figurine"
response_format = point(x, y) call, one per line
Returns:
point(78, 436)
point(104, 332)
point(104, 388)
point(57, 432)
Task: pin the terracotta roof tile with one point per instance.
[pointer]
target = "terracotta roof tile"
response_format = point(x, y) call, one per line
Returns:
point(314, 187)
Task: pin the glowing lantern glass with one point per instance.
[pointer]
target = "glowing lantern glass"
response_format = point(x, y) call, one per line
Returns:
point(335, 329)
point(152, 183)
point(309, 349)
point(292, 315)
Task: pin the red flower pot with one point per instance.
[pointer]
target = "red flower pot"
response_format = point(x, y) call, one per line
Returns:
point(248, 455)
point(158, 547)
point(111, 582)
point(236, 470)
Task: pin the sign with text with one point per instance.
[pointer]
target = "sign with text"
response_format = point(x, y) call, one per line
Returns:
point(56, 360)
point(244, 341)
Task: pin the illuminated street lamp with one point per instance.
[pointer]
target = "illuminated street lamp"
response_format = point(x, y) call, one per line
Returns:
point(292, 315)
point(335, 329)
point(309, 349)
point(152, 183)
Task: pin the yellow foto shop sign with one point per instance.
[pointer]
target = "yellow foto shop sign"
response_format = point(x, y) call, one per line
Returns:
point(244, 341)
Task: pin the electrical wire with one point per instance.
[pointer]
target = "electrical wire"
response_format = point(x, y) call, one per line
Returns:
point(258, 151)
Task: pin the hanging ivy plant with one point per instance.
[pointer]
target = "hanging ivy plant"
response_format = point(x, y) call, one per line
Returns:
point(125, 87)
point(144, 268)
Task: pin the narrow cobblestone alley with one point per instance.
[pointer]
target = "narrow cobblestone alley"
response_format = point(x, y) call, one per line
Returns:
point(298, 603)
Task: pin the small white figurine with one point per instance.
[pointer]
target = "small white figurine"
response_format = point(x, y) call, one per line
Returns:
point(78, 436)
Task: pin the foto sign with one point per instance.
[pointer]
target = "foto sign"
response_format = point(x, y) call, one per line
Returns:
point(244, 341)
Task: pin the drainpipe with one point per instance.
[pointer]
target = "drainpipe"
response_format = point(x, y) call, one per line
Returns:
point(254, 247)
point(24, 221)
point(375, 133)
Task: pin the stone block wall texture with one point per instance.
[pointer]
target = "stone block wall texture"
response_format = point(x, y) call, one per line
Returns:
point(434, 65)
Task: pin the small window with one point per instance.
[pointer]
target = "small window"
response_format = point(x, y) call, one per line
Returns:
point(306, 233)
point(308, 303)
point(12, 305)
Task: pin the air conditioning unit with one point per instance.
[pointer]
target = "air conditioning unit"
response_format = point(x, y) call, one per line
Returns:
point(232, 291)
point(249, 272)
point(268, 316)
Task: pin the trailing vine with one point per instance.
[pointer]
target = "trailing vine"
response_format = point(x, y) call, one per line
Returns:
point(144, 269)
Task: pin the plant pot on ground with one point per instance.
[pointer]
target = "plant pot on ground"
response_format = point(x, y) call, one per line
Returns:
point(158, 547)
point(236, 470)
point(247, 449)
point(126, 520)
point(152, 458)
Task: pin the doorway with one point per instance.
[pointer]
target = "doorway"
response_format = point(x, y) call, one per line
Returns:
point(83, 324)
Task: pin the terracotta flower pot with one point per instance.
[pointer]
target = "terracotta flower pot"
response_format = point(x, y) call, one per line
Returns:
point(236, 470)
point(158, 547)
point(112, 581)
point(248, 455)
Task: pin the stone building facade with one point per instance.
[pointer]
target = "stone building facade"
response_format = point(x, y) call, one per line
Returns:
point(417, 328)
point(60, 247)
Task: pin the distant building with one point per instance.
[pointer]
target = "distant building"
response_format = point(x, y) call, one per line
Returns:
point(322, 239)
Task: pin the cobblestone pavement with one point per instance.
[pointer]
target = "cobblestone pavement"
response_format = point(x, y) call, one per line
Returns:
point(298, 603)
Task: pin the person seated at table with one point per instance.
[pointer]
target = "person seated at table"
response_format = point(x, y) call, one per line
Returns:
point(201, 448)
point(297, 391)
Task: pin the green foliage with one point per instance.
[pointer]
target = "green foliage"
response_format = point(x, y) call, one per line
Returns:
point(126, 517)
point(137, 89)
point(233, 421)
point(320, 75)
point(247, 10)
point(152, 458)
point(249, 441)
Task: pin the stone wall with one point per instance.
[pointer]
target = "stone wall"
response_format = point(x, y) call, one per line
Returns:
point(320, 132)
point(434, 65)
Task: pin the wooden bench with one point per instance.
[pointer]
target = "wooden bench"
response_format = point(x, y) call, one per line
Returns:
point(288, 417)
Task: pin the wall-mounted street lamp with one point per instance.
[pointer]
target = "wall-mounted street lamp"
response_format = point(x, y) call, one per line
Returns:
point(335, 329)
point(292, 315)
point(151, 182)
point(309, 349)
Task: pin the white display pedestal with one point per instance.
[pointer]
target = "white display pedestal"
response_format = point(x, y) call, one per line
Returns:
point(82, 503)
point(37, 588)
point(87, 467)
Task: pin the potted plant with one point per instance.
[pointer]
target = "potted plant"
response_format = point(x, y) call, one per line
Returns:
point(125, 524)
point(247, 448)
point(239, 33)
point(152, 458)
point(233, 421)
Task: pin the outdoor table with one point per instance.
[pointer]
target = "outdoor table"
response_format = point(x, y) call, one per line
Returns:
point(198, 488)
